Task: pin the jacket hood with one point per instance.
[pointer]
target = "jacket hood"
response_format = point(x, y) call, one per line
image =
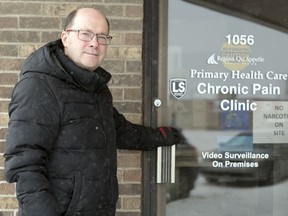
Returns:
point(51, 60)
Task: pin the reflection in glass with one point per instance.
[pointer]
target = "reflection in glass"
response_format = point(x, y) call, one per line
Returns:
point(227, 72)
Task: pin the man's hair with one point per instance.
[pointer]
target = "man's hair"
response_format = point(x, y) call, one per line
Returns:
point(71, 16)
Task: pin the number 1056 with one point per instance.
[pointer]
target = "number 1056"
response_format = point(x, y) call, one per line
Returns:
point(240, 39)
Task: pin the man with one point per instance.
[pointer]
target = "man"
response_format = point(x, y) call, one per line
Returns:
point(63, 129)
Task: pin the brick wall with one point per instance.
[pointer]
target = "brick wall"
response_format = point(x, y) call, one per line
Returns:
point(26, 25)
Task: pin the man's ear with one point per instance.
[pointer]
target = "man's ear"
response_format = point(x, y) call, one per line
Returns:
point(64, 38)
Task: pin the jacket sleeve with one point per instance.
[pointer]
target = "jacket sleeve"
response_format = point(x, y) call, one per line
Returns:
point(33, 126)
point(136, 137)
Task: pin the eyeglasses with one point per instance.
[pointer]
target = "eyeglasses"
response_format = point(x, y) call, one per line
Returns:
point(88, 36)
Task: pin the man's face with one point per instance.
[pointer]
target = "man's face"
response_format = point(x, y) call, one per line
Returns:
point(88, 55)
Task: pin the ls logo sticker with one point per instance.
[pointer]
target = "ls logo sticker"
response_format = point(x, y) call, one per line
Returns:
point(178, 87)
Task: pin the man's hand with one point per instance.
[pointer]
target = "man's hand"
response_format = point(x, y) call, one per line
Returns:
point(171, 135)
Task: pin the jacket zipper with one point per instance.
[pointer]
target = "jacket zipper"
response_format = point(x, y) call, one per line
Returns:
point(107, 155)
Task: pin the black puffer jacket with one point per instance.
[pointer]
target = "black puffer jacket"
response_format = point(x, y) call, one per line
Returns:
point(62, 138)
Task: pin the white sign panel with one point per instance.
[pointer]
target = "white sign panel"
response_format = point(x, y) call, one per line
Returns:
point(270, 122)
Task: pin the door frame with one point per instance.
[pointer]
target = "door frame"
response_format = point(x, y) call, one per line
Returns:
point(154, 63)
point(150, 90)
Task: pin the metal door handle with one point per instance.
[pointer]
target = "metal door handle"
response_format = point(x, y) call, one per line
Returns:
point(166, 164)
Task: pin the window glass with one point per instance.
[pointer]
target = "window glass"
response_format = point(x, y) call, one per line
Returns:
point(226, 91)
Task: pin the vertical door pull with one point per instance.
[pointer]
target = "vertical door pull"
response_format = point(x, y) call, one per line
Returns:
point(166, 164)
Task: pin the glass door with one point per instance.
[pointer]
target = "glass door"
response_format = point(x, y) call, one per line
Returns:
point(222, 82)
